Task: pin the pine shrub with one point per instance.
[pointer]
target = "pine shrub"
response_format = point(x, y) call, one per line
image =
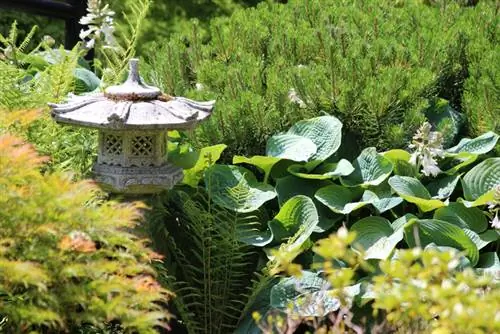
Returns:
point(376, 65)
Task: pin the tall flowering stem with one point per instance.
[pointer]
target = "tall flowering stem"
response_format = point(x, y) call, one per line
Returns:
point(99, 20)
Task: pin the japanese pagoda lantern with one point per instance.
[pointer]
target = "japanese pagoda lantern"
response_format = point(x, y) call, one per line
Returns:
point(132, 120)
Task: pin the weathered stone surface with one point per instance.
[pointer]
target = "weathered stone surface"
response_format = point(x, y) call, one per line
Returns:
point(133, 119)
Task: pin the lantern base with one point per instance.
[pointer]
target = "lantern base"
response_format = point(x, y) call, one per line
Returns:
point(137, 180)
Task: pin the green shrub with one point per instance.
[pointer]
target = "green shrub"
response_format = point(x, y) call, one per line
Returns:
point(66, 258)
point(416, 291)
point(376, 65)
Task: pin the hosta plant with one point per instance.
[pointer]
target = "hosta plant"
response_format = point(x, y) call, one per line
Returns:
point(303, 188)
point(68, 259)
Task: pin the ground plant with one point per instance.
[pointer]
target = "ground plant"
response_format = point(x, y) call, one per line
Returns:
point(347, 182)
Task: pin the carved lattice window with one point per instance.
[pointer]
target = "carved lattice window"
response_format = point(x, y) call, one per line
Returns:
point(113, 144)
point(142, 146)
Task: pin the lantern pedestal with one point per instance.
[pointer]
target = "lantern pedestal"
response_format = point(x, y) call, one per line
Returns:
point(137, 180)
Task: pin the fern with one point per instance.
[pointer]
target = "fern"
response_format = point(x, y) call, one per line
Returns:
point(11, 49)
point(212, 268)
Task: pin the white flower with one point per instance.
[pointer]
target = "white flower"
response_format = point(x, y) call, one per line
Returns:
point(294, 98)
point(100, 25)
point(428, 145)
point(199, 86)
point(495, 223)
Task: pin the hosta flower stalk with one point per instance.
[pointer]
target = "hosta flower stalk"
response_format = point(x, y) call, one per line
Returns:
point(99, 20)
point(428, 146)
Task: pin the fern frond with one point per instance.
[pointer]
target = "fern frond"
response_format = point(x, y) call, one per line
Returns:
point(212, 268)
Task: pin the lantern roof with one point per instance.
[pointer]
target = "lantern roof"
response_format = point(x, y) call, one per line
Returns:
point(131, 105)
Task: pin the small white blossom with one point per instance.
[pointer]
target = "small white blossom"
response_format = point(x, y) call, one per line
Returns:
point(100, 25)
point(495, 223)
point(428, 146)
point(199, 86)
point(294, 98)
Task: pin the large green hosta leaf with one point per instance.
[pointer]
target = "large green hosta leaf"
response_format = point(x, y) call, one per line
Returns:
point(207, 157)
point(479, 145)
point(324, 131)
point(481, 240)
point(290, 186)
point(441, 233)
point(481, 179)
point(323, 172)
point(264, 163)
point(376, 237)
point(381, 204)
point(453, 162)
point(307, 295)
point(489, 264)
point(311, 141)
point(370, 169)
point(461, 216)
point(339, 199)
point(236, 188)
point(443, 187)
point(299, 212)
point(401, 162)
point(291, 147)
point(86, 81)
point(411, 190)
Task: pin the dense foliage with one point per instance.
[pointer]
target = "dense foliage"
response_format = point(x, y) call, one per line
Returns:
point(303, 189)
point(379, 66)
point(65, 258)
point(366, 208)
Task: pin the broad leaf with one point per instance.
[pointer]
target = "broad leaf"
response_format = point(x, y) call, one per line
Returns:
point(441, 233)
point(307, 295)
point(325, 132)
point(401, 162)
point(482, 200)
point(481, 179)
point(489, 264)
point(445, 119)
point(479, 145)
point(339, 199)
point(402, 221)
point(264, 163)
point(86, 81)
point(207, 157)
point(236, 188)
point(481, 240)
point(327, 170)
point(291, 147)
point(382, 204)
point(298, 212)
point(443, 187)
point(411, 190)
point(251, 233)
point(463, 217)
point(376, 237)
point(370, 169)
point(290, 186)
point(453, 162)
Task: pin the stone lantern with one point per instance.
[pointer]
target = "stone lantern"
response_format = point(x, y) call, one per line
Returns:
point(132, 120)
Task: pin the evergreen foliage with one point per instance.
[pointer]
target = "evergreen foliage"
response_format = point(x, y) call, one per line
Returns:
point(66, 258)
point(376, 65)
